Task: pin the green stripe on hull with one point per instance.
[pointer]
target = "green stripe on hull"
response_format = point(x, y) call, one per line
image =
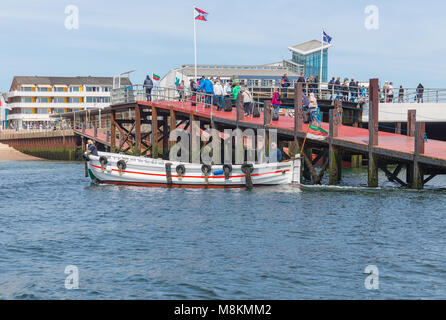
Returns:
point(92, 176)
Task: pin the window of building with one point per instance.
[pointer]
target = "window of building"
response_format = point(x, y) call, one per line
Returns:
point(58, 100)
point(98, 99)
point(26, 88)
point(58, 110)
point(43, 89)
point(107, 89)
point(27, 99)
point(59, 89)
point(74, 89)
point(92, 89)
point(42, 111)
point(267, 82)
point(75, 100)
point(27, 110)
point(42, 100)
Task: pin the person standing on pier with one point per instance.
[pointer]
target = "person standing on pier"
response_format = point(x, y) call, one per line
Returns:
point(330, 87)
point(208, 88)
point(390, 92)
point(148, 85)
point(337, 88)
point(247, 101)
point(420, 91)
point(401, 95)
point(276, 102)
point(353, 90)
point(285, 83)
point(219, 92)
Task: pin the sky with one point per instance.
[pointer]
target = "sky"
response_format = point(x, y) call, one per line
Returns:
point(151, 36)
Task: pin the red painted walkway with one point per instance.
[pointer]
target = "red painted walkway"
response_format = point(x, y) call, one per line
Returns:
point(389, 141)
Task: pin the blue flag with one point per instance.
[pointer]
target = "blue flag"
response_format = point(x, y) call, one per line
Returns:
point(327, 38)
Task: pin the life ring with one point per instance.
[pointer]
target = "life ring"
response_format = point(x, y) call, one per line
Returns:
point(206, 168)
point(247, 168)
point(103, 160)
point(121, 165)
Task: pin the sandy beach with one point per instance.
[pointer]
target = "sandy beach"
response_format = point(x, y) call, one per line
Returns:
point(10, 154)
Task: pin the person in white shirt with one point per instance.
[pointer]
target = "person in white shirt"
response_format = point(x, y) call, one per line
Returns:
point(247, 101)
point(218, 95)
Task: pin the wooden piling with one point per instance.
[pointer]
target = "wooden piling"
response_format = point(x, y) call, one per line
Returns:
point(267, 116)
point(137, 150)
point(411, 119)
point(373, 133)
point(418, 175)
point(154, 132)
point(298, 114)
point(334, 157)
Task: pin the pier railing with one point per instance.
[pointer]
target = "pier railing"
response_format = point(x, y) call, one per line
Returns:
point(322, 91)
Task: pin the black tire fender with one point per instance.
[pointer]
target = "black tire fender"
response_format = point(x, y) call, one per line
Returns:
point(86, 157)
point(229, 166)
point(180, 169)
point(103, 160)
point(205, 168)
point(121, 165)
point(247, 168)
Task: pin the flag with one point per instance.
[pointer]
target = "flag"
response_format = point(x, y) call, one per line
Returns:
point(156, 77)
point(177, 82)
point(316, 128)
point(202, 15)
point(327, 38)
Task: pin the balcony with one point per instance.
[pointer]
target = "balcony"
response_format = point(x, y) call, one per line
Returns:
point(58, 105)
point(12, 94)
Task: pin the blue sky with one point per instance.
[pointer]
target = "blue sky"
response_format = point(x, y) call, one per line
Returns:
point(154, 36)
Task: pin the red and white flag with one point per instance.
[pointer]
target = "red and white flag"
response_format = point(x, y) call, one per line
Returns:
point(202, 15)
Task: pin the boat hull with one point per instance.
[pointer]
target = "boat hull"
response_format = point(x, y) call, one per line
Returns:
point(141, 171)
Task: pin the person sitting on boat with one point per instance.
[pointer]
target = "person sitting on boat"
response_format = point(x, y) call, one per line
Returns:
point(275, 155)
point(91, 148)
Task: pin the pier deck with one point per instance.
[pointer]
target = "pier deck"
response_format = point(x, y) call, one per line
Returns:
point(353, 138)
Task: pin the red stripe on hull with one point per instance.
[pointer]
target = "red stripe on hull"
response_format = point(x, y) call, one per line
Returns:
point(196, 186)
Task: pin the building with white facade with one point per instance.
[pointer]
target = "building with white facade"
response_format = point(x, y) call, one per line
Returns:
point(32, 99)
point(305, 58)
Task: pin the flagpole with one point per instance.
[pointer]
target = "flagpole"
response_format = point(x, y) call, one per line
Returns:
point(195, 46)
point(322, 56)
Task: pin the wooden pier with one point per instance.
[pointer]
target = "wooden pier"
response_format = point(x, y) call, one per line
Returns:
point(143, 127)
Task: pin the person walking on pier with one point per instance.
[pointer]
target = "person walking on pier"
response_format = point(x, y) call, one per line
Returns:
point(285, 83)
point(218, 94)
point(420, 91)
point(148, 84)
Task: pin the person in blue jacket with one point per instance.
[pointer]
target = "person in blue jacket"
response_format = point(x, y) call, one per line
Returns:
point(275, 155)
point(208, 89)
